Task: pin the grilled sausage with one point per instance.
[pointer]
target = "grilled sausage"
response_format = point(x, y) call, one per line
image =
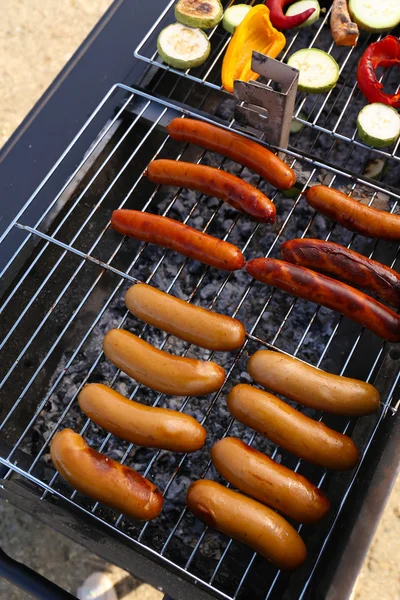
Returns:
point(353, 215)
point(258, 476)
point(290, 429)
point(103, 479)
point(214, 182)
point(176, 236)
point(328, 292)
point(188, 322)
point(312, 387)
point(248, 521)
point(345, 264)
point(236, 147)
point(159, 370)
point(142, 425)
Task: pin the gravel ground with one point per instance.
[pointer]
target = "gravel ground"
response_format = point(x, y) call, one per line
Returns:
point(36, 39)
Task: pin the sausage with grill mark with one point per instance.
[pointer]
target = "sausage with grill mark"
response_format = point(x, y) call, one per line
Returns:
point(353, 215)
point(236, 147)
point(176, 236)
point(214, 182)
point(346, 264)
point(323, 290)
point(104, 479)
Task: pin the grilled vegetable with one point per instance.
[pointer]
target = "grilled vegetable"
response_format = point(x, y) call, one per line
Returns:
point(282, 21)
point(300, 7)
point(296, 126)
point(385, 53)
point(375, 16)
point(319, 72)
point(199, 13)
point(183, 47)
point(255, 33)
point(234, 15)
point(378, 125)
point(344, 31)
point(374, 168)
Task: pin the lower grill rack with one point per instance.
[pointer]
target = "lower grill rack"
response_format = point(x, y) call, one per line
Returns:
point(65, 276)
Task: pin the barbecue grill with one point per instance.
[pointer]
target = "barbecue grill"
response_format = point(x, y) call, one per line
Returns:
point(65, 272)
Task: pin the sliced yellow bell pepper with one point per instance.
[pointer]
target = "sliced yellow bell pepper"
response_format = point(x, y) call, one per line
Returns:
point(255, 32)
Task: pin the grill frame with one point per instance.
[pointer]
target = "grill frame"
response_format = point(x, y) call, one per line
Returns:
point(171, 105)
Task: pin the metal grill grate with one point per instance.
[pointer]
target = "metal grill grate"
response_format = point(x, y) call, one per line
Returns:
point(333, 115)
point(69, 291)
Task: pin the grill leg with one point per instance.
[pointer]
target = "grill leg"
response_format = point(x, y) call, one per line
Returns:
point(29, 581)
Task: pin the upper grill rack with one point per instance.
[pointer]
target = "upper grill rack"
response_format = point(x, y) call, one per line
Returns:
point(333, 113)
point(70, 292)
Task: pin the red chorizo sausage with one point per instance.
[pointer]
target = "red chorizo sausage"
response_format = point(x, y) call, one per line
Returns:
point(345, 264)
point(104, 479)
point(236, 147)
point(353, 215)
point(176, 236)
point(214, 182)
point(328, 292)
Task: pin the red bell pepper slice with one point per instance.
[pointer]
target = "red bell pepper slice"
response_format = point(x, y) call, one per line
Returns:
point(280, 20)
point(385, 53)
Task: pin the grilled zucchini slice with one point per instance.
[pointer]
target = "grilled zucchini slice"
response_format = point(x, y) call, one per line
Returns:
point(319, 72)
point(199, 13)
point(375, 15)
point(233, 16)
point(378, 125)
point(183, 47)
point(301, 6)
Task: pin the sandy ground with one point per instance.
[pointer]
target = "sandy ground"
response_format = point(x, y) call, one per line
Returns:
point(36, 39)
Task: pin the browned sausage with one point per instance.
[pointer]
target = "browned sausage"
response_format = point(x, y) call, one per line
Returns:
point(103, 479)
point(176, 236)
point(248, 521)
point(258, 476)
point(345, 264)
point(142, 425)
point(187, 321)
point(159, 370)
point(236, 147)
point(353, 215)
point(290, 429)
point(312, 387)
point(214, 182)
point(328, 292)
